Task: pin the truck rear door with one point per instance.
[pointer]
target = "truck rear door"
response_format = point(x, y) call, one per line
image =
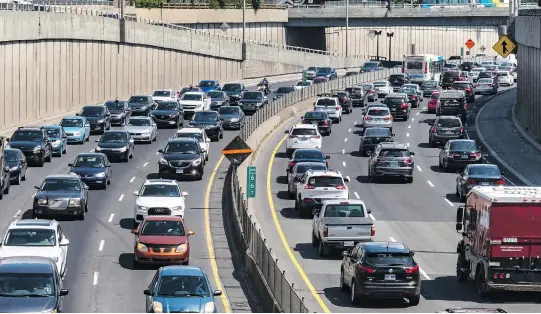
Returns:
point(519, 253)
point(354, 229)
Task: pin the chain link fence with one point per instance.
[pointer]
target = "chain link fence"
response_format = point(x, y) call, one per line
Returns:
point(247, 234)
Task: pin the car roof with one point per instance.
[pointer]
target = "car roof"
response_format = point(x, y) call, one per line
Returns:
point(91, 155)
point(62, 176)
point(391, 145)
point(326, 173)
point(174, 270)
point(461, 140)
point(194, 93)
point(163, 218)
point(344, 202)
point(29, 128)
point(209, 81)
point(483, 166)
point(182, 139)
point(385, 247)
point(26, 264)
point(379, 108)
point(52, 126)
point(304, 126)
point(73, 117)
point(34, 223)
point(160, 182)
point(376, 128)
point(189, 130)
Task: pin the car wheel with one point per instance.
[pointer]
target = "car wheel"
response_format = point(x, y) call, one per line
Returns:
point(41, 161)
point(186, 262)
point(322, 249)
point(131, 154)
point(17, 180)
point(480, 284)
point(315, 241)
point(104, 186)
point(343, 286)
point(414, 301)
point(88, 138)
point(49, 156)
point(127, 157)
point(460, 275)
point(445, 166)
point(6, 191)
point(65, 149)
point(86, 208)
point(409, 180)
point(355, 298)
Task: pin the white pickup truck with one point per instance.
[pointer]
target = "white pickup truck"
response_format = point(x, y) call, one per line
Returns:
point(341, 224)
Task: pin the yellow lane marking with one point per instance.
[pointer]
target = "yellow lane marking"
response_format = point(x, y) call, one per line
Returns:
point(210, 244)
point(283, 237)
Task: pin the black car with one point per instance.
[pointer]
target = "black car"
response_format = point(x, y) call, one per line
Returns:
point(453, 103)
point(391, 160)
point(467, 87)
point(356, 94)
point(380, 270)
point(65, 195)
point(344, 99)
point(120, 111)
point(281, 91)
point(98, 117)
point(413, 96)
point(467, 65)
point(479, 174)
point(181, 157)
point(116, 145)
point(370, 93)
point(218, 99)
point(16, 162)
point(234, 91)
point(168, 114)
point(39, 277)
point(232, 117)
point(5, 180)
point(211, 122)
point(307, 155)
point(429, 87)
point(141, 105)
point(251, 101)
point(449, 77)
point(93, 168)
point(372, 137)
point(445, 128)
point(397, 80)
point(321, 119)
point(34, 143)
point(458, 154)
point(399, 106)
point(484, 74)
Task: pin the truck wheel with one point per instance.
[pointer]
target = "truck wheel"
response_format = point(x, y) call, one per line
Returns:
point(414, 301)
point(460, 275)
point(480, 284)
point(322, 250)
point(343, 286)
point(314, 240)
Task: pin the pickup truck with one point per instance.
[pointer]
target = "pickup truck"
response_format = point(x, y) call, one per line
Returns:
point(341, 224)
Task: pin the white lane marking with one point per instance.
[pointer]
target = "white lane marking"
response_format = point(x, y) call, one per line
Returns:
point(102, 243)
point(17, 213)
point(346, 139)
point(355, 122)
point(430, 183)
point(356, 195)
point(424, 274)
point(343, 163)
point(449, 202)
point(409, 126)
point(408, 144)
point(343, 151)
point(132, 179)
point(146, 163)
point(507, 179)
point(95, 283)
point(416, 114)
point(111, 218)
point(371, 216)
point(407, 135)
point(349, 130)
point(92, 151)
point(157, 153)
point(392, 239)
point(347, 177)
point(34, 195)
point(121, 198)
point(419, 168)
point(412, 119)
point(424, 108)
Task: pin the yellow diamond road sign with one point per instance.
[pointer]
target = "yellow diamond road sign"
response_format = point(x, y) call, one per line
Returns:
point(504, 46)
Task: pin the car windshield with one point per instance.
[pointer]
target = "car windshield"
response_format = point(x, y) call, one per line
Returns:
point(89, 161)
point(182, 148)
point(216, 95)
point(430, 84)
point(207, 116)
point(476, 170)
point(27, 285)
point(301, 169)
point(485, 74)
point(380, 84)
point(167, 106)
point(72, 123)
point(183, 286)
point(407, 91)
point(138, 99)
point(61, 185)
point(315, 115)
point(252, 95)
point(114, 137)
point(378, 112)
point(394, 153)
point(139, 122)
point(301, 131)
point(231, 88)
point(325, 181)
point(53, 132)
point(207, 84)
point(367, 87)
point(326, 102)
point(485, 81)
point(448, 123)
point(192, 97)
point(344, 210)
point(27, 136)
point(229, 110)
point(502, 73)
point(163, 228)
point(115, 105)
point(388, 259)
point(370, 65)
point(93, 112)
point(414, 65)
point(461, 85)
point(285, 90)
point(463, 146)
point(299, 154)
point(377, 132)
point(160, 190)
point(197, 136)
point(394, 101)
point(162, 93)
point(30, 237)
point(11, 155)
point(324, 71)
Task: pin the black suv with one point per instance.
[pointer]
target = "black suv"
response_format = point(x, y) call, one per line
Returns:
point(372, 137)
point(182, 157)
point(344, 100)
point(391, 160)
point(380, 269)
point(141, 105)
point(120, 111)
point(458, 154)
point(33, 142)
point(484, 74)
point(467, 87)
point(452, 102)
point(445, 128)
point(321, 118)
point(99, 118)
point(449, 78)
point(399, 106)
point(357, 95)
point(397, 80)
point(168, 114)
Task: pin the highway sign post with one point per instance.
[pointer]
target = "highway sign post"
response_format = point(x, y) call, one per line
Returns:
point(250, 182)
point(304, 77)
point(237, 151)
point(470, 44)
point(505, 46)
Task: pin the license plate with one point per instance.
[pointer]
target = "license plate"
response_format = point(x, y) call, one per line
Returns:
point(448, 132)
point(180, 170)
point(483, 183)
point(393, 109)
point(464, 156)
point(394, 163)
point(348, 243)
point(390, 277)
point(303, 138)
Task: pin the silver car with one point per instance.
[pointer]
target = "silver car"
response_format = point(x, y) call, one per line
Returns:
point(298, 171)
point(486, 86)
point(142, 129)
point(378, 117)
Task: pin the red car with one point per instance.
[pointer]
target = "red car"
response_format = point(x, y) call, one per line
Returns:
point(433, 102)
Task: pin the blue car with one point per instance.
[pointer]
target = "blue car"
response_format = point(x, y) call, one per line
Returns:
point(306, 155)
point(59, 139)
point(180, 289)
point(93, 168)
point(209, 85)
point(77, 129)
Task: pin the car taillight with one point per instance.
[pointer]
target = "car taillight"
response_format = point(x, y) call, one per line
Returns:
point(366, 270)
point(309, 187)
point(381, 161)
point(325, 123)
point(408, 161)
point(388, 118)
point(468, 90)
point(413, 97)
point(500, 182)
point(404, 106)
point(475, 155)
point(372, 231)
point(341, 187)
point(433, 130)
point(491, 85)
point(412, 270)
point(316, 136)
point(292, 164)
point(337, 107)
point(471, 181)
point(325, 232)
point(367, 118)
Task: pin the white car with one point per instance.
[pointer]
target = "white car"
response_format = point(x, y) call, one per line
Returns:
point(383, 88)
point(194, 101)
point(200, 135)
point(303, 136)
point(505, 78)
point(378, 117)
point(301, 84)
point(331, 105)
point(164, 95)
point(37, 237)
point(488, 63)
point(159, 197)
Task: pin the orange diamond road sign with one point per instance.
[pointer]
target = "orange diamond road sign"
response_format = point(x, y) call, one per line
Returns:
point(237, 151)
point(470, 43)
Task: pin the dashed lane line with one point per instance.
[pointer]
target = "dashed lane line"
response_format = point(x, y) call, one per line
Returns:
point(145, 164)
point(349, 130)
point(132, 179)
point(121, 198)
point(412, 119)
point(17, 213)
point(346, 139)
point(347, 177)
point(343, 151)
point(343, 163)
point(95, 281)
point(111, 218)
point(430, 183)
point(356, 195)
point(419, 168)
point(407, 135)
point(409, 126)
point(102, 243)
point(449, 202)
point(417, 114)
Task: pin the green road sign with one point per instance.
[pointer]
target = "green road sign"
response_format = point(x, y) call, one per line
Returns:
point(462, 51)
point(304, 76)
point(251, 182)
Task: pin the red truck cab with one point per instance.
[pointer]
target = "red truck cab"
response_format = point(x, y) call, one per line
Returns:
point(500, 248)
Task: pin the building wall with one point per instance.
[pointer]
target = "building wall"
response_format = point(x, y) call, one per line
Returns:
point(266, 32)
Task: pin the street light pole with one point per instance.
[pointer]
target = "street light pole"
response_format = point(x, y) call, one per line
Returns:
point(243, 30)
point(377, 33)
point(390, 36)
point(347, 28)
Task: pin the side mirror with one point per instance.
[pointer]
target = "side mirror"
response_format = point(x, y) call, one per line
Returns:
point(134, 231)
point(327, 157)
point(147, 292)
point(184, 194)
point(217, 293)
point(458, 226)
point(36, 187)
point(430, 123)
point(459, 214)
point(286, 131)
point(288, 171)
point(412, 153)
point(315, 212)
point(412, 253)
point(63, 292)
point(345, 253)
point(347, 179)
point(160, 151)
point(191, 233)
point(77, 114)
point(86, 187)
point(369, 211)
point(64, 242)
point(136, 193)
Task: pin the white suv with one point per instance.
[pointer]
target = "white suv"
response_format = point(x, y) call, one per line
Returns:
point(36, 237)
point(331, 105)
point(200, 135)
point(194, 101)
point(303, 136)
point(164, 95)
point(317, 186)
point(159, 197)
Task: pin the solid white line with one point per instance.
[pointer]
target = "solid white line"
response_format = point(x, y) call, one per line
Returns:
point(407, 135)
point(95, 283)
point(17, 213)
point(132, 179)
point(92, 151)
point(419, 168)
point(347, 177)
point(409, 126)
point(371, 216)
point(424, 274)
point(356, 195)
point(349, 130)
point(146, 163)
point(111, 218)
point(412, 119)
point(430, 183)
point(343, 151)
point(392, 239)
point(449, 202)
point(346, 139)
point(121, 198)
point(408, 144)
point(102, 243)
point(343, 163)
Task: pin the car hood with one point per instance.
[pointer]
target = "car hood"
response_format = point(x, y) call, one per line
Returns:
point(12, 163)
point(164, 112)
point(73, 129)
point(228, 117)
point(87, 170)
point(27, 305)
point(137, 129)
point(182, 305)
point(160, 201)
point(116, 112)
point(50, 252)
point(137, 105)
point(23, 144)
point(162, 98)
point(112, 145)
point(251, 101)
point(57, 194)
point(94, 119)
point(169, 157)
point(167, 240)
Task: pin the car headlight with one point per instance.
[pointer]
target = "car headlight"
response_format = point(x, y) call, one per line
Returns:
point(142, 208)
point(73, 173)
point(7, 146)
point(196, 162)
point(14, 168)
point(100, 175)
point(175, 208)
point(141, 247)
point(209, 307)
point(56, 143)
point(235, 120)
point(163, 161)
point(37, 149)
point(55, 259)
point(74, 202)
point(181, 248)
point(122, 149)
point(146, 133)
point(97, 149)
point(42, 201)
point(101, 121)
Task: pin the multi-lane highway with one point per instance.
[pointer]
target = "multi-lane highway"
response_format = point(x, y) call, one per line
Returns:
point(100, 275)
point(420, 214)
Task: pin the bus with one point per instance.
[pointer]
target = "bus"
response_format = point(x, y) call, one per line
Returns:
point(464, 3)
point(430, 66)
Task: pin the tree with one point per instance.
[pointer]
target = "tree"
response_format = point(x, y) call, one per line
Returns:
point(148, 4)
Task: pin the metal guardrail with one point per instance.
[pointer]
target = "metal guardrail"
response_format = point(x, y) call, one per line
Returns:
point(250, 236)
